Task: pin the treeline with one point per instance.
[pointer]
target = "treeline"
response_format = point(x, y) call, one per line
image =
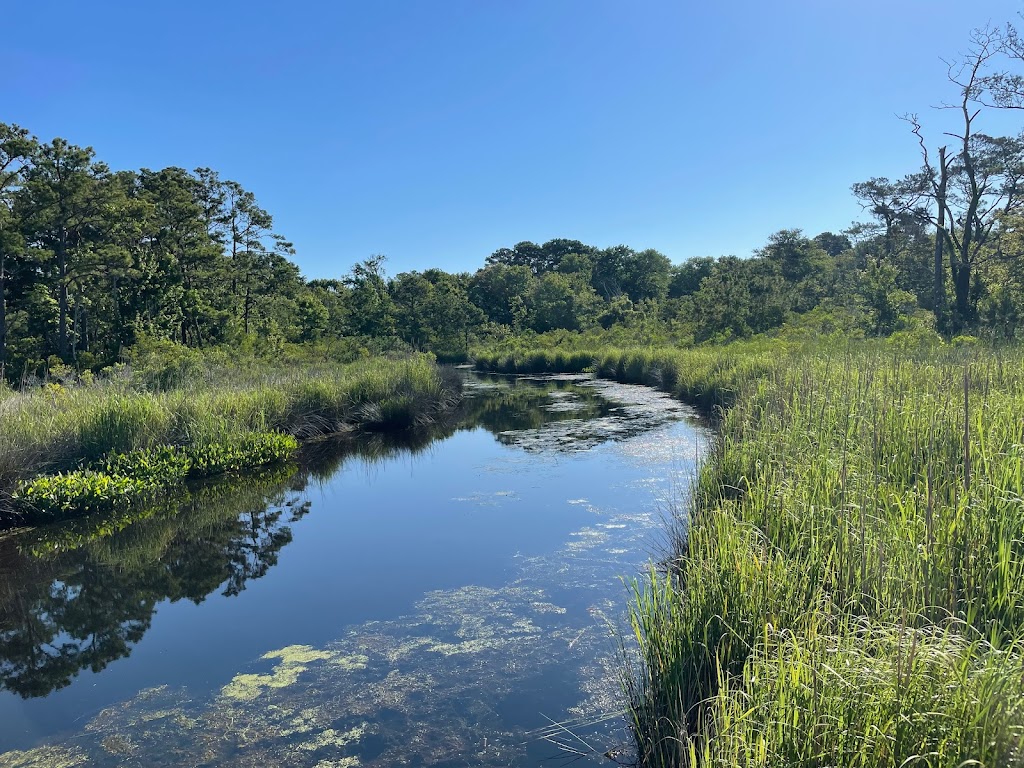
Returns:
point(92, 261)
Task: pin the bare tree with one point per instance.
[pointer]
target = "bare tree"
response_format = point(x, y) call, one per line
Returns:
point(972, 186)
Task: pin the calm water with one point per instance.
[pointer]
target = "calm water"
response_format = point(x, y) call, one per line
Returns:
point(440, 600)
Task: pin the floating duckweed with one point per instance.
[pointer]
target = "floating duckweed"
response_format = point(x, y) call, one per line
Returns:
point(525, 626)
point(294, 658)
point(118, 744)
point(396, 651)
point(307, 720)
point(468, 646)
point(246, 687)
point(395, 689)
point(345, 762)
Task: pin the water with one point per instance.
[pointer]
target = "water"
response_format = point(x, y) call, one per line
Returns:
point(443, 599)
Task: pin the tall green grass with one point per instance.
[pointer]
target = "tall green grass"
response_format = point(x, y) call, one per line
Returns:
point(850, 587)
point(56, 428)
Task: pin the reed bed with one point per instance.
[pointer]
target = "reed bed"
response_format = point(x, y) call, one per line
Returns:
point(56, 427)
point(849, 590)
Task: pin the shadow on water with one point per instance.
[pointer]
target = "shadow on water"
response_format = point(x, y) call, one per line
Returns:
point(81, 595)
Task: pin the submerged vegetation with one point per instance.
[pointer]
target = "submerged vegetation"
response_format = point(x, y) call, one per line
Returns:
point(119, 438)
point(846, 589)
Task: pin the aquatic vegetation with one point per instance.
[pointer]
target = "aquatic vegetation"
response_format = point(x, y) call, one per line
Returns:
point(89, 587)
point(128, 478)
point(294, 660)
point(220, 419)
point(61, 495)
point(44, 757)
point(426, 687)
point(848, 588)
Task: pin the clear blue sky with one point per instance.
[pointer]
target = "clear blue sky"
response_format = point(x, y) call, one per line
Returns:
point(435, 131)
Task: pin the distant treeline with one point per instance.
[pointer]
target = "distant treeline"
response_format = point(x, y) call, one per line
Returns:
point(92, 261)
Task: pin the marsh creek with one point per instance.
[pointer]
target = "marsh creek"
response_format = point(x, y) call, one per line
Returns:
point(431, 599)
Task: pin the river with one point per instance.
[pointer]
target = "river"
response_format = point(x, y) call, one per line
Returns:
point(448, 598)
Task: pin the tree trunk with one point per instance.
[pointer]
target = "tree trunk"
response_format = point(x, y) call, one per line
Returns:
point(62, 300)
point(246, 305)
point(3, 315)
point(962, 291)
point(76, 329)
point(939, 287)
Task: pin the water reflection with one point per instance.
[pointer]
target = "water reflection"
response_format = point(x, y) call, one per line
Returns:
point(79, 595)
point(82, 595)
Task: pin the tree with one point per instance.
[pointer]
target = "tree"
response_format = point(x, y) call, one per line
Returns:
point(645, 276)
point(411, 292)
point(524, 254)
point(832, 244)
point(802, 264)
point(66, 205)
point(894, 205)
point(16, 150)
point(373, 310)
point(609, 267)
point(561, 301)
point(739, 297)
point(685, 278)
point(976, 183)
point(185, 271)
point(498, 289)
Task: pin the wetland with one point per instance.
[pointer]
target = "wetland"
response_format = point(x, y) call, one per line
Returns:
point(442, 597)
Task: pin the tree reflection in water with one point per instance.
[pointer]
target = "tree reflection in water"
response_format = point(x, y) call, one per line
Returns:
point(82, 594)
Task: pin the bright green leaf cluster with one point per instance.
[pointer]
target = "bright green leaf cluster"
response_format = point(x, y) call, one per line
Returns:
point(124, 478)
point(59, 495)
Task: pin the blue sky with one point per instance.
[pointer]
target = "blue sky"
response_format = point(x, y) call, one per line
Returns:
point(437, 131)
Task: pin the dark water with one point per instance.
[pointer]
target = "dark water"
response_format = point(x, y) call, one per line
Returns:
point(440, 599)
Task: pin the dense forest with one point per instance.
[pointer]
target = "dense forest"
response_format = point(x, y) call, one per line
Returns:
point(94, 261)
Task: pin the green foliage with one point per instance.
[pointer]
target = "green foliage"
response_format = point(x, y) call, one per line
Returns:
point(848, 586)
point(252, 450)
point(163, 464)
point(224, 420)
point(75, 493)
point(126, 478)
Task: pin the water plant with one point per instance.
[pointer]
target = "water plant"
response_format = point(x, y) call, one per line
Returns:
point(847, 587)
point(221, 419)
point(128, 478)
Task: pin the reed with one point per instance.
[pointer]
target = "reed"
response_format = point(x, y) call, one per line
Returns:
point(59, 428)
point(850, 588)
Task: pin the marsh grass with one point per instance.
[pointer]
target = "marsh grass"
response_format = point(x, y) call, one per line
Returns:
point(850, 589)
point(67, 428)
